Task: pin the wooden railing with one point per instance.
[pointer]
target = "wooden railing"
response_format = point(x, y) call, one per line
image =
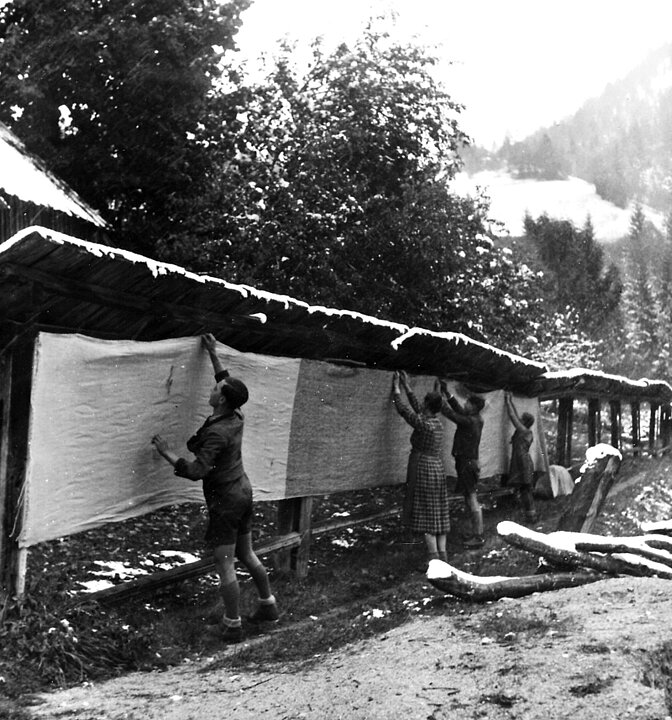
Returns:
point(291, 546)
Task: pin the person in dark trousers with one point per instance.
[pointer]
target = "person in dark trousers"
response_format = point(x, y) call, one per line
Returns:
point(521, 470)
point(466, 443)
point(426, 508)
point(218, 462)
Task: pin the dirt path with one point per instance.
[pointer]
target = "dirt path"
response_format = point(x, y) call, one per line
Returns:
point(580, 653)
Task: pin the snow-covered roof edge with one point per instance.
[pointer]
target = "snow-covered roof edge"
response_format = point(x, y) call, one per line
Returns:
point(24, 176)
point(458, 338)
point(578, 373)
point(156, 268)
point(160, 268)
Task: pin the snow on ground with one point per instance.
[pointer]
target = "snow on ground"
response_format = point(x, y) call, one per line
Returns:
point(571, 199)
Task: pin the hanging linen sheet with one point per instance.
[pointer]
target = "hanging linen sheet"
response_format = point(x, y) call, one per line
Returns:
point(95, 406)
point(311, 428)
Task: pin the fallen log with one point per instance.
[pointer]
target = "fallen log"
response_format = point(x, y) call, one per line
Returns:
point(450, 580)
point(559, 548)
point(654, 547)
point(662, 527)
point(591, 488)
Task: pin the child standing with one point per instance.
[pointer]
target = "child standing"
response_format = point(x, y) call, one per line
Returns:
point(521, 470)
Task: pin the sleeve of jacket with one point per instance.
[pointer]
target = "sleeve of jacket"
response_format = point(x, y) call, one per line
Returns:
point(212, 445)
point(454, 411)
point(407, 413)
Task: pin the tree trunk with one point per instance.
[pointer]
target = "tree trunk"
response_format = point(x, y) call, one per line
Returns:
point(656, 547)
point(559, 548)
point(450, 580)
point(589, 494)
point(662, 527)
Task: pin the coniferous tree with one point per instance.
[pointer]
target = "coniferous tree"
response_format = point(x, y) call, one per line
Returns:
point(664, 361)
point(640, 307)
point(578, 279)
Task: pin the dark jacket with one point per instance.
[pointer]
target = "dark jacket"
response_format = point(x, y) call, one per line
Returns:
point(217, 446)
point(468, 432)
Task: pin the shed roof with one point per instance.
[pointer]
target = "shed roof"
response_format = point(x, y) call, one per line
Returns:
point(24, 176)
point(583, 383)
point(54, 281)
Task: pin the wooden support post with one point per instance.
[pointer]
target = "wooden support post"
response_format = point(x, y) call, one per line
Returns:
point(302, 553)
point(653, 416)
point(294, 515)
point(615, 413)
point(570, 429)
point(665, 417)
point(561, 442)
point(634, 409)
point(593, 422)
point(5, 530)
point(16, 370)
point(565, 420)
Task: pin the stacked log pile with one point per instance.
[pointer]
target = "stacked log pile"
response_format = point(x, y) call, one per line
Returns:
point(574, 558)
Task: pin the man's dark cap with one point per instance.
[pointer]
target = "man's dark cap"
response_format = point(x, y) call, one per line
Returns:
point(235, 391)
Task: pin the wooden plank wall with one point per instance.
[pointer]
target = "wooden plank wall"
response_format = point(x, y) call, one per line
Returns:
point(17, 215)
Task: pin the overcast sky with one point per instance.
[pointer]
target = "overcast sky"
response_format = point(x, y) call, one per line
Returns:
point(517, 64)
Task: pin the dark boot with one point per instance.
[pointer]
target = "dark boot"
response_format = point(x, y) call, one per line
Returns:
point(264, 614)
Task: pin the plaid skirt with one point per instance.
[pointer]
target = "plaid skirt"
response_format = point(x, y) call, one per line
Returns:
point(426, 502)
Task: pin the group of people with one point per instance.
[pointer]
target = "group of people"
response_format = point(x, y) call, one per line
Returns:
point(217, 450)
point(426, 508)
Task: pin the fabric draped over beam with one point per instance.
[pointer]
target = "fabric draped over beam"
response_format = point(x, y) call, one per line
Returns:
point(312, 428)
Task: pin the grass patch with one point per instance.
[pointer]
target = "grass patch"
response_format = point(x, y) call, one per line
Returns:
point(511, 625)
point(593, 686)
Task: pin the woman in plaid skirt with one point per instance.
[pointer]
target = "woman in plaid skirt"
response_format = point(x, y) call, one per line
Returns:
point(426, 503)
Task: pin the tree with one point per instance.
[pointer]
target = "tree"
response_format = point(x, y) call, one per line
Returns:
point(664, 304)
point(577, 276)
point(110, 93)
point(338, 193)
point(640, 308)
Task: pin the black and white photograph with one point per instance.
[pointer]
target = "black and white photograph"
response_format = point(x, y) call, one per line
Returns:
point(335, 359)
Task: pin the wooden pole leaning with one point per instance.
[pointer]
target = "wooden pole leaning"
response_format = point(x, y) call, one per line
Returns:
point(589, 495)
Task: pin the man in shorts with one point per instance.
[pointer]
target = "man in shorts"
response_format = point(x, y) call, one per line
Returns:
point(465, 451)
point(228, 495)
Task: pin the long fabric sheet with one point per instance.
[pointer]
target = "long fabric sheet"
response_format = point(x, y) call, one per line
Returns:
point(311, 428)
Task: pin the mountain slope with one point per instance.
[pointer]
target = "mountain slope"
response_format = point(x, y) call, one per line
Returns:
point(571, 199)
point(620, 142)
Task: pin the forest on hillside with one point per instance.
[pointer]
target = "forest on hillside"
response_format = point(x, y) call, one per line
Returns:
point(620, 141)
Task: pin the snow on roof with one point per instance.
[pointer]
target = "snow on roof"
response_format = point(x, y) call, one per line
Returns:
point(24, 177)
point(294, 326)
point(459, 338)
point(578, 373)
point(161, 268)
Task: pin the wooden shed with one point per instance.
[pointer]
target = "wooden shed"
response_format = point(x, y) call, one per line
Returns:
point(31, 195)
point(56, 283)
point(60, 284)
